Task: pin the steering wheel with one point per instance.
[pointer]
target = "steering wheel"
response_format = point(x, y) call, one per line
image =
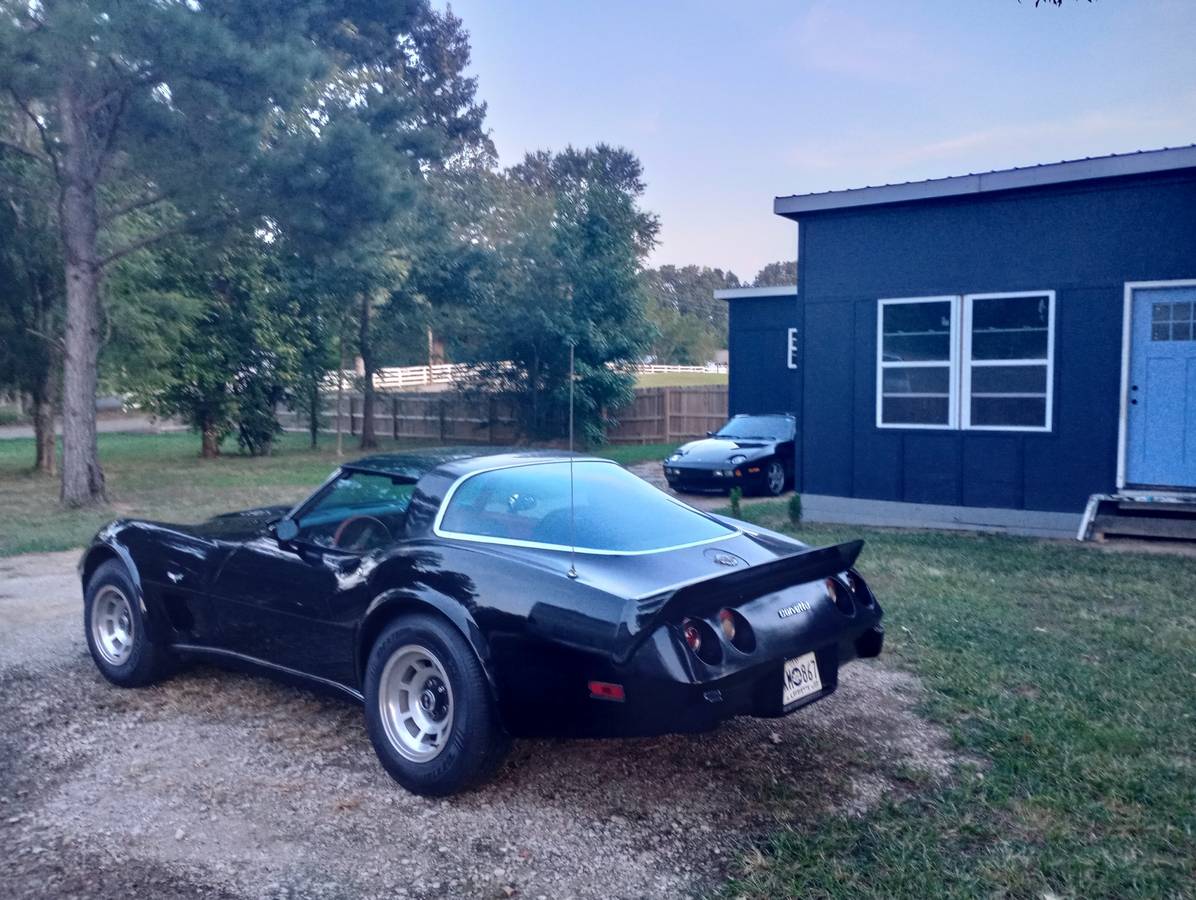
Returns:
point(362, 540)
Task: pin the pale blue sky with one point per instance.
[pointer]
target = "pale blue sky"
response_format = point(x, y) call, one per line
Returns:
point(730, 104)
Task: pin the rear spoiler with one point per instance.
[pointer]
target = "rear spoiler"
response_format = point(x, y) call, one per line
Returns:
point(705, 595)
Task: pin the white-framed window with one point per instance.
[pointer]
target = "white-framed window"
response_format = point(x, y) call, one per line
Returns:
point(973, 361)
point(917, 363)
point(1008, 361)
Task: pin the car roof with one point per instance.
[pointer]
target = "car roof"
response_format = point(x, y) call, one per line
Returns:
point(457, 461)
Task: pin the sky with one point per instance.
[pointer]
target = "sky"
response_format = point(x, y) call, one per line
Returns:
point(731, 104)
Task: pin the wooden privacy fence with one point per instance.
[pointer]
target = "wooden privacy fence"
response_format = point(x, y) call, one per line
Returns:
point(660, 415)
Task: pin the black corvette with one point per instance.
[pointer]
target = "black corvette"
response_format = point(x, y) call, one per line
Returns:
point(752, 452)
point(466, 598)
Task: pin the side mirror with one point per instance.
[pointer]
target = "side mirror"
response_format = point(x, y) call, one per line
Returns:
point(710, 433)
point(286, 530)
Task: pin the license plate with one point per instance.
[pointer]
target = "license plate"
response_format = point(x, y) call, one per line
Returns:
point(801, 678)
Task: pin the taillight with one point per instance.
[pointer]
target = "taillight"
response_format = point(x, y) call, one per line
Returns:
point(859, 589)
point(840, 596)
point(701, 639)
point(736, 630)
point(726, 621)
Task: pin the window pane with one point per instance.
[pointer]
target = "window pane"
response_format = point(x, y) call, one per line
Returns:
point(910, 380)
point(1010, 327)
point(612, 509)
point(1160, 312)
point(1181, 331)
point(916, 331)
point(1008, 380)
point(915, 411)
point(1160, 331)
point(1009, 411)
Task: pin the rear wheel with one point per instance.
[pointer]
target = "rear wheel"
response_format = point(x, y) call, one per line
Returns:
point(117, 637)
point(428, 708)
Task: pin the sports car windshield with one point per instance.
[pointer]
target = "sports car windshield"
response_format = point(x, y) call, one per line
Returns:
point(771, 428)
point(614, 511)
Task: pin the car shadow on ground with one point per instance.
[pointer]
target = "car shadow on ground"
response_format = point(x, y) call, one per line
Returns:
point(240, 785)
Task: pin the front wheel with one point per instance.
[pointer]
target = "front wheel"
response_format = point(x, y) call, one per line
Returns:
point(774, 478)
point(428, 708)
point(119, 642)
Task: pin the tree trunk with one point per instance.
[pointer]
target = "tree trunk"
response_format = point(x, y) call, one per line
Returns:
point(369, 440)
point(43, 423)
point(82, 477)
point(340, 389)
point(210, 446)
point(313, 423)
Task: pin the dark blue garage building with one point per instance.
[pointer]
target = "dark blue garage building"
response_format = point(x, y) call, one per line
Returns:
point(1017, 340)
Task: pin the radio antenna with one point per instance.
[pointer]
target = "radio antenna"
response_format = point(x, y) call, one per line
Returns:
point(572, 527)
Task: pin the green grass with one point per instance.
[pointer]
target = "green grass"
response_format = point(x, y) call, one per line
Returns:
point(162, 477)
point(680, 379)
point(1068, 674)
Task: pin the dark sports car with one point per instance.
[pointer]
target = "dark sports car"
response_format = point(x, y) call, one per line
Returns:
point(466, 598)
point(752, 452)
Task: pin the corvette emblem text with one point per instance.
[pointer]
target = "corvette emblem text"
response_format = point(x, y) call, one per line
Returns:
point(793, 610)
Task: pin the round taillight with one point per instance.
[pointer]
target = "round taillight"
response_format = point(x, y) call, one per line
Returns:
point(693, 637)
point(839, 595)
point(736, 630)
point(726, 621)
point(702, 640)
point(859, 590)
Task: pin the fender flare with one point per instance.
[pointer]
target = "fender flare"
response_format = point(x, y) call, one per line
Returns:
point(108, 548)
point(390, 604)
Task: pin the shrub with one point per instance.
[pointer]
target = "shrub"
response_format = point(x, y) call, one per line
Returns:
point(795, 508)
point(736, 496)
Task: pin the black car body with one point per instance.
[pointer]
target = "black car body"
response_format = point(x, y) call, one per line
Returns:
point(751, 452)
point(661, 619)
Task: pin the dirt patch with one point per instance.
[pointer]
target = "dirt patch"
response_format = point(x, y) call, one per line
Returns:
point(219, 784)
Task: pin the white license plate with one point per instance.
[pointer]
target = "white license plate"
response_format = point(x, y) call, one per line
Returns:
point(801, 678)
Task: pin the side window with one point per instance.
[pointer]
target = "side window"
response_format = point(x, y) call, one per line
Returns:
point(917, 360)
point(360, 511)
point(1008, 361)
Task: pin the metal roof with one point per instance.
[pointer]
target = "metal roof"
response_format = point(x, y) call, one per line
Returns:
point(740, 293)
point(1142, 162)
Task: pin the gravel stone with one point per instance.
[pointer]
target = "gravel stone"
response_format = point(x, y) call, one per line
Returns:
point(221, 785)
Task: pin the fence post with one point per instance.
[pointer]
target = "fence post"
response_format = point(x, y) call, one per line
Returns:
point(491, 414)
point(666, 399)
point(352, 415)
point(441, 405)
point(394, 417)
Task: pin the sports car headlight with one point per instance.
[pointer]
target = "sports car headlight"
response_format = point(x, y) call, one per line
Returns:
point(675, 457)
point(737, 459)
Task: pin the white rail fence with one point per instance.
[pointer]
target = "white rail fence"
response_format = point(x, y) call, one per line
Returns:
point(401, 378)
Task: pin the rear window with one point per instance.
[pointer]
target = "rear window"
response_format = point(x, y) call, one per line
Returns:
point(614, 511)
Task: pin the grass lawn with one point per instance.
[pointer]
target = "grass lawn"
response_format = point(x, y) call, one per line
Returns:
point(679, 379)
point(1068, 673)
point(161, 476)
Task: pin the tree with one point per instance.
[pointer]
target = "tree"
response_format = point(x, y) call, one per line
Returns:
point(567, 239)
point(30, 298)
point(691, 322)
point(208, 110)
point(776, 274)
point(239, 339)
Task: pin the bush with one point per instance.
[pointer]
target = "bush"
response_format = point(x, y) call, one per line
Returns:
point(11, 417)
point(795, 508)
point(736, 496)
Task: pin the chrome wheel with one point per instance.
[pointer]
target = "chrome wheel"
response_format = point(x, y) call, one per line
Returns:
point(776, 478)
point(112, 625)
point(415, 701)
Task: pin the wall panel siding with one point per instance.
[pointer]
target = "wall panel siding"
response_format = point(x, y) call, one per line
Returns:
point(1084, 241)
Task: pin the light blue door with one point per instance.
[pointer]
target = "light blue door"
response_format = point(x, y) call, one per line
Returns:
point(1161, 428)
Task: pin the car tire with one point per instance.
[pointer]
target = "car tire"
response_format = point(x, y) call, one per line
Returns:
point(114, 626)
point(775, 479)
point(428, 708)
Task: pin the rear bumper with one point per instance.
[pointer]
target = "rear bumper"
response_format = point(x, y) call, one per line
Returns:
point(661, 699)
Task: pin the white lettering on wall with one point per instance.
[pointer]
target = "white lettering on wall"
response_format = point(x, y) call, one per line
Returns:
point(793, 348)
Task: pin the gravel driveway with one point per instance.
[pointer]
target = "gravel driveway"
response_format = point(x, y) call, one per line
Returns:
point(220, 784)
